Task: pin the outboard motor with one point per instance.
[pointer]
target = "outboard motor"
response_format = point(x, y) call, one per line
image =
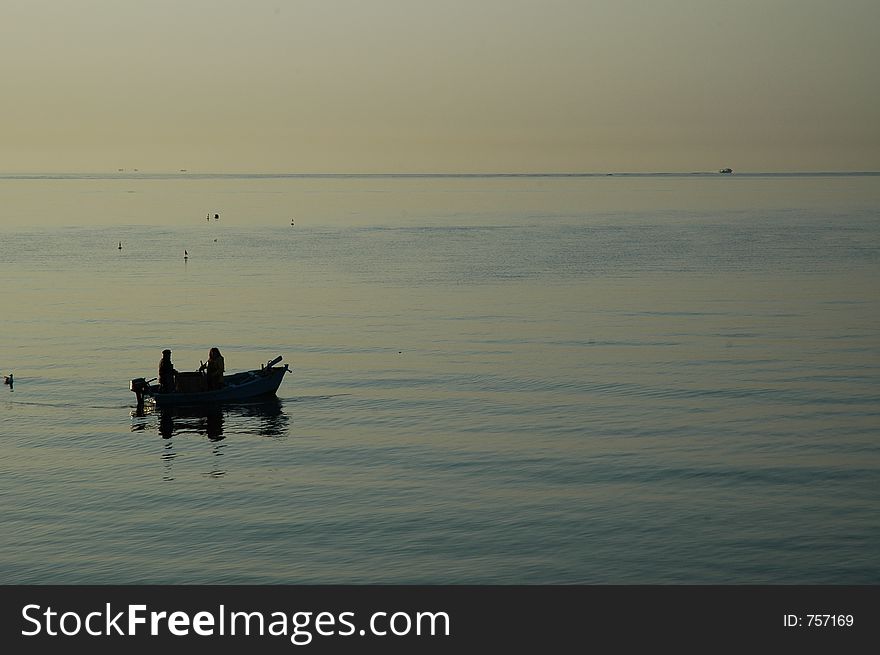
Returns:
point(140, 386)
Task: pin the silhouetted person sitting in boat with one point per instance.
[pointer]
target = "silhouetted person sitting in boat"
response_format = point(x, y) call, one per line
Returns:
point(167, 373)
point(215, 369)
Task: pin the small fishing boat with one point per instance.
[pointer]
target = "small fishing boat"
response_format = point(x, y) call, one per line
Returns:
point(192, 388)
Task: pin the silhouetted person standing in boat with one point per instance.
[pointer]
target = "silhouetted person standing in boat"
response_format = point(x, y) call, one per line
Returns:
point(216, 367)
point(167, 374)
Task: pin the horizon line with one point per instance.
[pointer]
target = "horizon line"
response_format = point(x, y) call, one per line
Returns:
point(183, 173)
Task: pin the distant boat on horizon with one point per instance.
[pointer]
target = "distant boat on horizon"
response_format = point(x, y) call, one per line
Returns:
point(726, 171)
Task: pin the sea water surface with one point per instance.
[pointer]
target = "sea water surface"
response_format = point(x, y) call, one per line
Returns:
point(627, 379)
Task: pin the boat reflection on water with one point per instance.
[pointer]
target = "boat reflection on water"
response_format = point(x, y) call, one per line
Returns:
point(176, 420)
point(265, 418)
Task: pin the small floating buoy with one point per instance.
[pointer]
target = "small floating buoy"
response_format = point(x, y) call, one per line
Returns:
point(120, 245)
point(216, 217)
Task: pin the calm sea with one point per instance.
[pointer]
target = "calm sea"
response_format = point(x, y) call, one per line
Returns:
point(495, 379)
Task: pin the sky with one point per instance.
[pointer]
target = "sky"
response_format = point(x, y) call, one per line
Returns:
point(439, 86)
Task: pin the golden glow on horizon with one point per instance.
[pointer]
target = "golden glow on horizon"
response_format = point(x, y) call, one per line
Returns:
point(417, 86)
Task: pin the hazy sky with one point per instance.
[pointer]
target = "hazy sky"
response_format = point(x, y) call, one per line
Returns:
point(439, 85)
